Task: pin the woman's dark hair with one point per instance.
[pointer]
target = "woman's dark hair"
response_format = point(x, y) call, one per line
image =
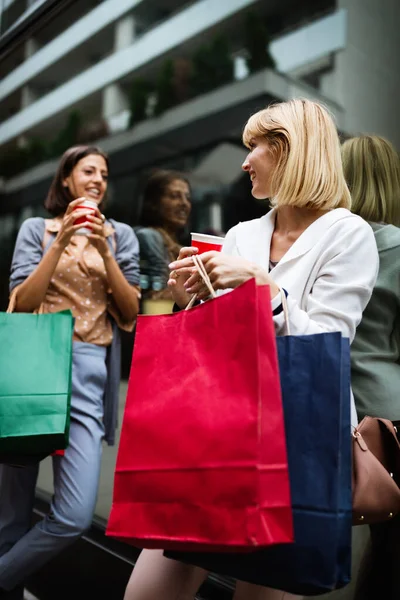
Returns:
point(153, 191)
point(59, 196)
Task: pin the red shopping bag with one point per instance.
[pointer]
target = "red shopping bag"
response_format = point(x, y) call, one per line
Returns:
point(200, 465)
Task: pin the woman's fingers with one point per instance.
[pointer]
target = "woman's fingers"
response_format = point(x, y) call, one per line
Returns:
point(186, 252)
point(77, 214)
point(185, 258)
point(193, 280)
point(71, 206)
point(186, 271)
point(184, 263)
point(98, 220)
point(78, 226)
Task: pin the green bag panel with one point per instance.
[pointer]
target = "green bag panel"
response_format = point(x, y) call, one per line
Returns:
point(35, 415)
point(39, 349)
point(35, 381)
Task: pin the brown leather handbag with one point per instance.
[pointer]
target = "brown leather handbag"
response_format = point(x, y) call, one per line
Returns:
point(376, 471)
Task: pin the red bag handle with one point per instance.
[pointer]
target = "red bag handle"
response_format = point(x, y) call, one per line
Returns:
point(204, 275)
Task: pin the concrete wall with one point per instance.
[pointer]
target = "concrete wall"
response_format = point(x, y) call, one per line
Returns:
point(366, 80)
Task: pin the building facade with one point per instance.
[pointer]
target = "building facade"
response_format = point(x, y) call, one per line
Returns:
point(76, 76)
point(171, 83)
point(123, 75)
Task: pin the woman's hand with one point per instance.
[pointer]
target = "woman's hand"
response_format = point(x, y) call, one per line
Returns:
point(176, 281)
point(98, 238)
point(225, 272)
point(68, 227)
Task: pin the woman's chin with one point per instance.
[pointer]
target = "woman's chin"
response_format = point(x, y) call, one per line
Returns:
point(176, 225)
point(258, 194)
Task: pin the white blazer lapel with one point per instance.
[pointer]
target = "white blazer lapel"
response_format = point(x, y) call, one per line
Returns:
point(313, 233)
point(253, 239)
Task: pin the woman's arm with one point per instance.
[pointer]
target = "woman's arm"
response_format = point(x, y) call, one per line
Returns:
point(126, 296)
point(31, 293)
point(123, 269)
point(28, 259)
point(339, 294)
point(153, 254)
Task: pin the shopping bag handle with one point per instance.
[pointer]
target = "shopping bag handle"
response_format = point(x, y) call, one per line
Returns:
point(204, 275)
point(285, 311)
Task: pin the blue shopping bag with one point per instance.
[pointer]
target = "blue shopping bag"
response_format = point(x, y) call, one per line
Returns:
point(315, 381)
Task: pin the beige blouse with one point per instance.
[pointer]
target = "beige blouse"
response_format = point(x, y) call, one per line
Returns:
point(79, 283)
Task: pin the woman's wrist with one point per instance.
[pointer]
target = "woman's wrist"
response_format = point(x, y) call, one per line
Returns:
point(107, 256)
point(263, 278)
point(57, 246)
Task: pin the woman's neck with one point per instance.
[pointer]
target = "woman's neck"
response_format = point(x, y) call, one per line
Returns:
point(171, 232)
point(291, 219)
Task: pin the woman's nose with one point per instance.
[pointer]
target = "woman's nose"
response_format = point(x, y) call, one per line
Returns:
point(184, 199)
point(246, 165)
point(97, 177)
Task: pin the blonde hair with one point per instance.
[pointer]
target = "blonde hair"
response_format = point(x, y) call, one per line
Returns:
point(304, 141)
point(372, 170)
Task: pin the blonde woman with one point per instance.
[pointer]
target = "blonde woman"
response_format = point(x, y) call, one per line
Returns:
point(309, 244)
point(372, 169)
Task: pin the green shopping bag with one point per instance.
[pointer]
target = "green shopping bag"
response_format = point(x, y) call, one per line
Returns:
point(35, 384)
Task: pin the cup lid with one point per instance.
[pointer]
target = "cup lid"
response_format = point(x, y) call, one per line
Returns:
point(88, 203)
point(206, 238)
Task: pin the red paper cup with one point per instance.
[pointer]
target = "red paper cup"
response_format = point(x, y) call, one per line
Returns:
point(205, 242)
point(88, 204)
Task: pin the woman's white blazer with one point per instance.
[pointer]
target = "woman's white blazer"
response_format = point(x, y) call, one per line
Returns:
point(329, 272)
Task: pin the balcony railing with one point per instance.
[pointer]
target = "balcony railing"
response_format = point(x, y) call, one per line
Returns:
point(265, 84)
point(187, 24)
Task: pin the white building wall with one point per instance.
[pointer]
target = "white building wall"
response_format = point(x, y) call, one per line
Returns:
point(125, 32)
point(366, 81)
point(114, 100)
point(310, 43)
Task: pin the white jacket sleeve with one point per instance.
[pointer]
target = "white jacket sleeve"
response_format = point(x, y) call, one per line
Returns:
point(343, 284)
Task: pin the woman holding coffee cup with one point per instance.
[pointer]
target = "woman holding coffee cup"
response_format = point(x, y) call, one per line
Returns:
point(79, 261)
point(309, 248)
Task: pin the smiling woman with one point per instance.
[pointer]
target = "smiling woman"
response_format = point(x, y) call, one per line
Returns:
point(89, 178)
point(82, 173)
point(96, 277)
point(165, 212)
